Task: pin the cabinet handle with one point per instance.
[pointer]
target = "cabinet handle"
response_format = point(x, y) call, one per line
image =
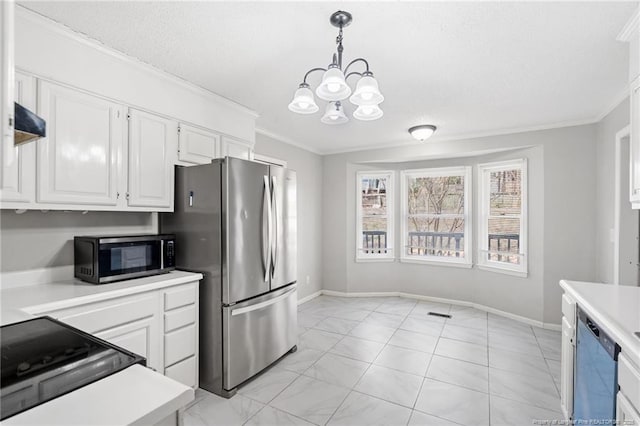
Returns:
point(127, 195)
point(117, 195)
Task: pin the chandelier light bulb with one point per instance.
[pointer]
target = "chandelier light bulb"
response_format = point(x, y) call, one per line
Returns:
point(423, 132)
point(368, 113)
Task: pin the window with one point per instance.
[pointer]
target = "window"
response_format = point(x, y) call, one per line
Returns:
point(503, 220)
point(375, 216)
point(435, 215)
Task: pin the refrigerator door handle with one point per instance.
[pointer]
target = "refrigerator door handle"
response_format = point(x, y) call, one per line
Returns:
point(266, 226)
point(274, 243)
point(251, 308)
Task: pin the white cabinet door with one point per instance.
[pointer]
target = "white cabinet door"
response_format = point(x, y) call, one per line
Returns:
point(626, 413)
point(139, 337)
point(152, 144)
point(635, 142)
point(6, 73)
point(78, 160)
point(566, 374)
point(197, 146)
point(19, 163)
point(236, 148)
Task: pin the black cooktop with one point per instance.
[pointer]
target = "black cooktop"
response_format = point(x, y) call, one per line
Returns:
point(43, 359)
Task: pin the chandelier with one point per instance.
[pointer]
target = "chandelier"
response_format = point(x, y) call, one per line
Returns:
point(334, 87)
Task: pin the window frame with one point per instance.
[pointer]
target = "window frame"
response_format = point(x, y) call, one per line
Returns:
point(389, 256)
point(484, 192)
point(462, 262)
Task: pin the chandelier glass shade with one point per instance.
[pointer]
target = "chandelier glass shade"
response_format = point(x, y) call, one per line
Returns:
point(368, 112)
point(335, 89)
point(303, 102)
point(334, 114)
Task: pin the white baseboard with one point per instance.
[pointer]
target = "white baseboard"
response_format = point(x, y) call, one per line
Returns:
point(556, 327)
point(36, 276)
point(309, 297)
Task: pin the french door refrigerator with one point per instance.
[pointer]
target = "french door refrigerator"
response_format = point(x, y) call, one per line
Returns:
point(235, 222)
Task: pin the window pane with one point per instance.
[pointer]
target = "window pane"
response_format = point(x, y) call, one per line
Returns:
point(504, 238)
point(374, 235)
point(436, 195)
point(506, 192)
point(374, 196)
point(435, 237)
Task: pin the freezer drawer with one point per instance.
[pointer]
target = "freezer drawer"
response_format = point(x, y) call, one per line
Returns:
point(258, 332)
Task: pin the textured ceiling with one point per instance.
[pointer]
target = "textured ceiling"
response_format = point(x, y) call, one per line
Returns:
point(469, 68)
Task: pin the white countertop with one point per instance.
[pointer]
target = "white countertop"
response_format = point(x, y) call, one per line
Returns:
point(616, 308)
point(135, 395)
point(19, 303)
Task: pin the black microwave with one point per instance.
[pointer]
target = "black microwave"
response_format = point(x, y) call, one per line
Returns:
point(105, 259)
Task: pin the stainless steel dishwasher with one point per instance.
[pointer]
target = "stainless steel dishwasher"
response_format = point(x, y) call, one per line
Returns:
point(595, 375)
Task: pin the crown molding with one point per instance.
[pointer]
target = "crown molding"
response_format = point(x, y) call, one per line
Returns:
point(288, 141)
point(617, 100)
point(630, 28)
point(473, 135)
point(82, 38)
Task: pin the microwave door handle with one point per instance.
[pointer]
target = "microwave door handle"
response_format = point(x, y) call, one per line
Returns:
point(274, 244)
point(266, 229)
point(161, 254)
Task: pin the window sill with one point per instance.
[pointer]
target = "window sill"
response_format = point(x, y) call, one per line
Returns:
point(504, 271)
point(374, 259)
point(444, 263)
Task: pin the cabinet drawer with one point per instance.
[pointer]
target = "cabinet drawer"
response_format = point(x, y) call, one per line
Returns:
point(104, 315)
point(180, 297)
point(179, 344)
point(184, 371)
point(629, 380)
point(179, 318)
point(569, 309)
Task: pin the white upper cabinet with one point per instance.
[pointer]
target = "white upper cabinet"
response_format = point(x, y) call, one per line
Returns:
point(18, 168)
point(231, 147)
point(197, 146)
point(78, 159)
point(152, 143)
point(635, 141)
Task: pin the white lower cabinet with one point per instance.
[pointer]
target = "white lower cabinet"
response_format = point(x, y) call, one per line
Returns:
point(567, 356)
point(626, 413)
point(181, 334)
point(635, 142)
point(141, 323)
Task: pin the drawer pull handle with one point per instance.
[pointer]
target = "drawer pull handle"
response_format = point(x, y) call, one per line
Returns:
point(261, 305)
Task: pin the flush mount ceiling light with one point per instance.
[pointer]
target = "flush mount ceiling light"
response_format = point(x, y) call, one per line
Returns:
point(423, 132)
point(334, 88)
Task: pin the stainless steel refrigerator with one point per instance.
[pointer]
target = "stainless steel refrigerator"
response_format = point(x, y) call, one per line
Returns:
point(235, 222)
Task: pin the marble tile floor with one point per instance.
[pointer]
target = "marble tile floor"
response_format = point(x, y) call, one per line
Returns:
point(385, 361)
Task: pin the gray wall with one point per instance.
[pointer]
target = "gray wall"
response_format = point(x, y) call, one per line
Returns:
point(605, 189)
point(561, 213)
point(34, 239)
point(309, 178)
